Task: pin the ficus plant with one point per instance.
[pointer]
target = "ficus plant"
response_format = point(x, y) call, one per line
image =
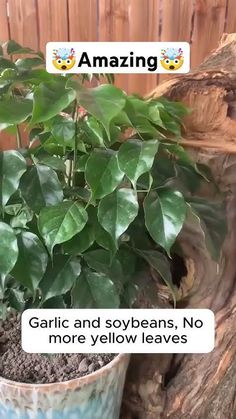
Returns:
point(98, 189)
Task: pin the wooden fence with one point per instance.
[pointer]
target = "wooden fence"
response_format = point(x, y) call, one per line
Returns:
point(201, 22)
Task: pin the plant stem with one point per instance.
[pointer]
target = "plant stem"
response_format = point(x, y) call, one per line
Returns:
point(18, 137)
point(75, 117)
point(70, 172)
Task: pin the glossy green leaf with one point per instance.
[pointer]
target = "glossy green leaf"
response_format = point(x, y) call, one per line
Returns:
point(160, 263)
point(102, 172)
point(40, 187)
point(60, 276)
point(210, 218)
point(15, 111)
point(94, 290)
point(102, 237)
point(63, 130)
point(117, 211)
point(103, 290)
point(93, 132)
point(8, 249)
point(20, 220)
point(81, 162)
point(32, 261)
point(165, 212)
point(163, 170)
point(56, 163)
point(103, 102)
point(50, 98)
point(25, 64)
point(136, 157)
point(61, 222)
point(12, 167)
point(101, 261)
point(80, 242)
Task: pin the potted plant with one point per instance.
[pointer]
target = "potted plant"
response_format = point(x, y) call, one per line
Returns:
point(98, 193)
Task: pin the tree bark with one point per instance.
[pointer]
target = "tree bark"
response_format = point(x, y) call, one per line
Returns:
point(200, 386)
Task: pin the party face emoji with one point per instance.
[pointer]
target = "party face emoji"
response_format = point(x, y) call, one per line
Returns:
point(64, 58)
point(172, 58)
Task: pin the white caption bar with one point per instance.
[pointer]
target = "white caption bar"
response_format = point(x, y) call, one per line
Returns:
point(118, 331)
point(118, 57)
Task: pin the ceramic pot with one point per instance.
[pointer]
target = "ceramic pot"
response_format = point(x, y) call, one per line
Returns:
point(95, 396)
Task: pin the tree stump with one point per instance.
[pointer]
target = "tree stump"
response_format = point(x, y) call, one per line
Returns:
point(200, 386)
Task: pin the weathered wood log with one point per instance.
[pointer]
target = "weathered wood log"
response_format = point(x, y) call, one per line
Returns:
point(200, 386)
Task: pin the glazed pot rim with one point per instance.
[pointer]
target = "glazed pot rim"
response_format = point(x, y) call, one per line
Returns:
point(80, 380)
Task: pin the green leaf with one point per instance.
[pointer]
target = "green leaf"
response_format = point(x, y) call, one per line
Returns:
point(55, 302)
point(102, 237)
point(12, 167)
point(81, 296)
point(136, 157)
point(130, 294)
point(4, 64)
point(21, 219)
point(56, 163)
point(93, 133)
point(60, 276)
point(80, 242)
point(170, 123)
point(163, 170)
point(61, 222)
point(15, 111)
point(160, 263)
point(81, 163)
point(63, 130)
point(16, 299)
point(103, 290)
point(176, 109)
point(102, 172)
point(165, 212)
point(128, 259)
point(15, 48)
point(50, 98)
point(210, 219)
point(40, 187)
point(100, 260)
point(8, 249)
point(25, 64)
point(103, 102)
point(32, 261)
point(94, 290)
point(117, 211)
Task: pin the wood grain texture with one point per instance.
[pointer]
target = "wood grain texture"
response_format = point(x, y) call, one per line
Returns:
point(176, 23)
point(208, 27)
point(230, 22)
point(83, 20)
point(52, 21)
point(4, 29)
point(23, 22)
point(113, 26)
point(143, 26)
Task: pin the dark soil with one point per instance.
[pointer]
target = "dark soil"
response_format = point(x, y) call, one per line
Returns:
point(17, 365)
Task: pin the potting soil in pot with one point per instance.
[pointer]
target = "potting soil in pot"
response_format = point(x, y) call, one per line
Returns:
point(17, 365)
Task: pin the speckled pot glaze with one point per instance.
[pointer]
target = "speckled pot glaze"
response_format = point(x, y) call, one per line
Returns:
point(96, 396)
